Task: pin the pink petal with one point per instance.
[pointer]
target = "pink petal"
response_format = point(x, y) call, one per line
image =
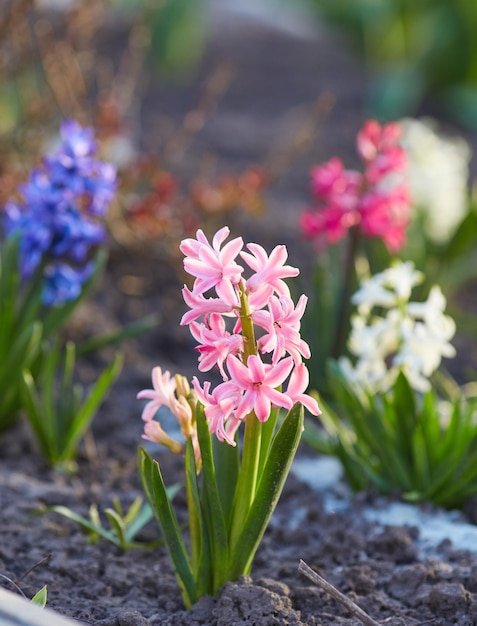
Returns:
point(277, 374)
point(256, 369)
point(220, 236)
point(262, 407)
point(238, 372)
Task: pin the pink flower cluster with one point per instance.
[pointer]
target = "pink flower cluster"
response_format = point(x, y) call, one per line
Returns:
point(250, 383)
point(225, 324)
point(375, 200)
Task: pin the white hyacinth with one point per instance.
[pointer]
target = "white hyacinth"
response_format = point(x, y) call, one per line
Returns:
point(438, 173)
point(390, 334)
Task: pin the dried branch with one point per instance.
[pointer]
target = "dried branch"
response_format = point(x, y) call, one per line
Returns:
point(327, 587)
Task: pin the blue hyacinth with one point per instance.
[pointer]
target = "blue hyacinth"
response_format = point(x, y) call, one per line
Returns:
point(58, 219)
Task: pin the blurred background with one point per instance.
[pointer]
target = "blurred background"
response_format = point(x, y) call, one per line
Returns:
point(215, 110)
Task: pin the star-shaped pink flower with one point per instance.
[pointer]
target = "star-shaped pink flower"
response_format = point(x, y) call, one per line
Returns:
point(258, 382)
point(212, 266)
point(282, 323)
point(269, 273)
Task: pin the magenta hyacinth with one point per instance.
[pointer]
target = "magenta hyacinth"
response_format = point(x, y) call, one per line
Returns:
point(376, 200)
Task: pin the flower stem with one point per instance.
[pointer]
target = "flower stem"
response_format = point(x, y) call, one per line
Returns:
point(248, 333)
point(342, 327)
point(248, 474)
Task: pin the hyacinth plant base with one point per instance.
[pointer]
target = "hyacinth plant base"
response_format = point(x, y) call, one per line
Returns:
point(381, 568)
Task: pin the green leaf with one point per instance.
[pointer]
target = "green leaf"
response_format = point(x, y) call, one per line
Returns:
point(379, 444)
point(227, 465)
point(268, 431)
point(124, 527)
point(59, 418)
point(404, 409)
point(40, 597)
point(161, 506)
point(213, 511)
point(463, 239)
point(129, 331)
point(31, 404)
point(90, 526)
point(119, 527)
point(274, 474)
point(198, 529)
point(84, 416)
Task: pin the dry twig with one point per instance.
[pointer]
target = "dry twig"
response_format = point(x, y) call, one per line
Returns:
point(352, 607)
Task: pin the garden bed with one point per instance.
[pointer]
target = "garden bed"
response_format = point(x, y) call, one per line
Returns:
point(383, 568)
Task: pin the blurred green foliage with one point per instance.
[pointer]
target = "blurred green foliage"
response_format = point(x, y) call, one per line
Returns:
point(176, 31)
point(414, 49)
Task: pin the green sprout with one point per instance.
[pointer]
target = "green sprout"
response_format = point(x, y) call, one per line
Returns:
point(123, 525)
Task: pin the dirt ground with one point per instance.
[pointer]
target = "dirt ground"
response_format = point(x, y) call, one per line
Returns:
point(380, 568)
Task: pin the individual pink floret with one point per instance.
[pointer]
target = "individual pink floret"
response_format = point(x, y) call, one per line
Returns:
point(219, 408)
point(269, 273)
point(161, 395)
point(259, 382)
point(215, 343)
point(282, 323)
point(201, 306)
point(212, 266)
point(335, 186)
point(297, 385)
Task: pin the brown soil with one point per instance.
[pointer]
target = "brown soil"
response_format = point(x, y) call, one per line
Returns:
point(380, 568)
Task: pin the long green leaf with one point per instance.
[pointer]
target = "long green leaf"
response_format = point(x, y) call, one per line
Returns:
point(119, 527)
point(213, 511)
point(85, 523)
point(31, 404)
point(227, 464)
point(9, 292)
point(161, 506)
point(129, 331)
point(86, 413)
point(199, 532)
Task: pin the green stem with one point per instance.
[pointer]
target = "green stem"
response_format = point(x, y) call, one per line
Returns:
point(248, 333)
point(249, 469)
point(342, 327)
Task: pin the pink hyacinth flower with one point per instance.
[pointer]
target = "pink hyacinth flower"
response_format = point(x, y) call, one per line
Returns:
point(258, 381)
point(154, 432)
point(297, 386)
point(215, 343)
point(219, 408)
point(282, 323)
point(334, 185)
point(212, 266)
point(201, 306)
point(375, 201)
point(269, 273)
point(374, 138)
point(161, 395)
